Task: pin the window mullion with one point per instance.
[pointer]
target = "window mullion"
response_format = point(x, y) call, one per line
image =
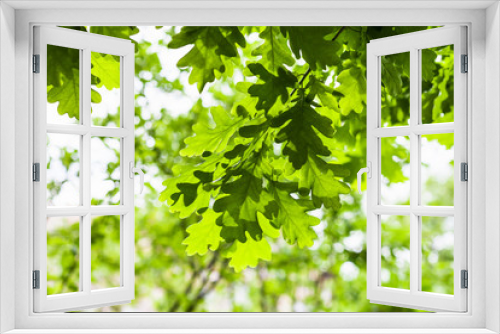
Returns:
point(431, 211)
point(85, 189)
point(67, 129)
point(98, 131)
point(414, 171)
point(433, 129)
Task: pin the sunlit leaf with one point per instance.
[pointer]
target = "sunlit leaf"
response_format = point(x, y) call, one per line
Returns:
point(204, 235)
point(247, 254)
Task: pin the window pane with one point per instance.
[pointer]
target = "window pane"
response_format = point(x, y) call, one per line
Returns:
point(437, 84)
point(105, 252)
point(63, 170)
point(395, 168)
point(437, 254)
point(437, 170)
point(105, 171)
point(395, 99)
point(395, 251)
point(63, 85)
point(63, 255)
point(105, 95)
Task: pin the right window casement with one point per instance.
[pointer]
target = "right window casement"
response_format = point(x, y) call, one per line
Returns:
point(426, 207)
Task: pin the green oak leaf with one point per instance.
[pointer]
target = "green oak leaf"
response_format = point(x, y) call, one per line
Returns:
point(317, 175)
point(247, 254)
point(204, 235)
point(240, 201)
point(191, 198)
point(393, 157)
point(324, 93)
point(68, 96)
point(107, 69)
point(354, 38)
point(233, 35)
point(216, 139)
point(391, 77)
point(293, 219)
point(267, 227)
point(63, 76)
point(274, 50)
point(95, 97)
point(428, 64)
point(185, 193)
point(210, 45)
point(353, 87)
point(204, 63)
point(298, 132)
point(63, 80)
point(314, 45)
point(184, 198)
point(272, 88)
point(437, 94)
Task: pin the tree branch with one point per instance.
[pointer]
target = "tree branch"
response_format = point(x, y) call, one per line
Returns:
point(189, 287)
point(206, 286)
point(309, 69)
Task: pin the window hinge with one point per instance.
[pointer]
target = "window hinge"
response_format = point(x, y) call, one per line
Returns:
point(464, 171)
point(465, 64)
point(36, 63)
point(36, 172)
point(36, 279)
point(465, 279)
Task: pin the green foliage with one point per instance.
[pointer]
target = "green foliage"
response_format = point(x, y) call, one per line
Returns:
point(105, 252)
point(393, 157)
point(300, 129)
point(293, 218)
point(244, 175)
point(63, 80)
point(203, 235)
point(438, 85)
point(105, 70)
point(272, 87)
point(214, 139)
point(63, 261)
point(212, 46)
point(274, 51)
point(262, 179)
point(353, 88)
point(247, 254)
point(239, 204)
point(313, 44)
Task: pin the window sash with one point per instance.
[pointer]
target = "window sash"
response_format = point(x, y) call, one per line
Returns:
point(86, 297)
point(413, 43)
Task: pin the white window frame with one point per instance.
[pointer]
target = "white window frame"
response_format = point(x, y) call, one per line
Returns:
point(85, 297)
point(483, 21)
point(413, 43)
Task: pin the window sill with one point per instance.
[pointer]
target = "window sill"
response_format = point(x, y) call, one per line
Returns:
point(251, 331)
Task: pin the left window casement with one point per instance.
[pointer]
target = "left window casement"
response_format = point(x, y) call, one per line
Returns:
point(85, 189)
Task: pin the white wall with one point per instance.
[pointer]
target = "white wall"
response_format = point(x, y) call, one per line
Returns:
point(492, 166)
point(7, 124)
